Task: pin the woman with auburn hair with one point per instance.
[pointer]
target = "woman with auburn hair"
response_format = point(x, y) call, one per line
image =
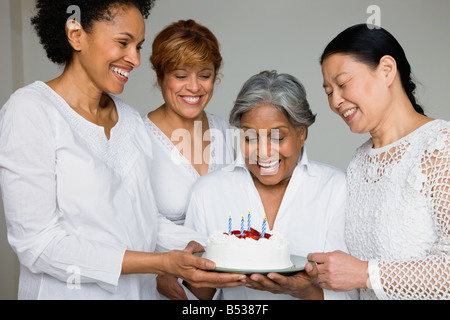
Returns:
point(187, 141)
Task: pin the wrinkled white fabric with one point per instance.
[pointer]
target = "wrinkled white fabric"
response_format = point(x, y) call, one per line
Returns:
point(75, 201)
point(398, 214)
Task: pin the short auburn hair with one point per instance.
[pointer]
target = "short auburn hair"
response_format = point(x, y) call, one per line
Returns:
point(184, 43)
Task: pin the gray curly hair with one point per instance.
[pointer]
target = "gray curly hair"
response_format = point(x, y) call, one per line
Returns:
point(282, 91)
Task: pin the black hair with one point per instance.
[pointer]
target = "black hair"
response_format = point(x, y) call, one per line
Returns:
point(52, 15)
point(368, 44)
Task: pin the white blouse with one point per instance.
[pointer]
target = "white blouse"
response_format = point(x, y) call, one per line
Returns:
point(311, 214)
point(173, 175)
point(75, 201)
point(398, 214)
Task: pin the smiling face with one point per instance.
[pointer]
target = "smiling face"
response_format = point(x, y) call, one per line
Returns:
point(356, 92)
point(271, 144)
point(188, 89)
point(111, 50)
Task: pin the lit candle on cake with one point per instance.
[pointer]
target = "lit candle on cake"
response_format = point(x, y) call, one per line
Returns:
point(229, 224)
point(263, 230)
point(242, 225)
point(248, 221)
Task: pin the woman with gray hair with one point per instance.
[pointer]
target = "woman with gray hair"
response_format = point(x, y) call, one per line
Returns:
point(273, 179)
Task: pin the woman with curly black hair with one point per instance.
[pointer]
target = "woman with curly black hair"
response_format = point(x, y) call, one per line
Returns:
point(74, 167)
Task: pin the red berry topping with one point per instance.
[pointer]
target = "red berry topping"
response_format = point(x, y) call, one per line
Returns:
point(254, 234)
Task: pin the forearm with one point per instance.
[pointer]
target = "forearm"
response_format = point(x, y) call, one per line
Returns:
point(427, 278)
point(144, 262)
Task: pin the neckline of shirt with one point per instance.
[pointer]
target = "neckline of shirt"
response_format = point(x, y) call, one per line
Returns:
point(410, 135)
point(168, 144)
point(80, 122)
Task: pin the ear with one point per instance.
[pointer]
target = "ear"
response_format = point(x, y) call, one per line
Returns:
point(74, 32)
point(303, 134)
point(388, 68)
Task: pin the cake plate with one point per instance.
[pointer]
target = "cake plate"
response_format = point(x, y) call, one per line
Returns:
point(298, 261)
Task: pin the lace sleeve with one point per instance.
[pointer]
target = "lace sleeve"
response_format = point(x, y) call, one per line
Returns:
point(427, 278)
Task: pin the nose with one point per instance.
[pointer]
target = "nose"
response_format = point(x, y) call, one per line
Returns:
point(133, 57)
point(336, 101)
point(264, 148)
point(193, 84)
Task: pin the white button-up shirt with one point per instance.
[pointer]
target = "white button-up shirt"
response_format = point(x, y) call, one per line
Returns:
point(311, 214)
point(76, 201)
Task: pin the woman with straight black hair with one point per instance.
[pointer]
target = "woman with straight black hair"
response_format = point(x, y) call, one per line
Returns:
point(398, 210)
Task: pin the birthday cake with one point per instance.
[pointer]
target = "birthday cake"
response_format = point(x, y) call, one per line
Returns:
point(249, 250)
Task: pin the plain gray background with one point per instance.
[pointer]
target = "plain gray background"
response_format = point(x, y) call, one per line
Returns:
point(255, 35)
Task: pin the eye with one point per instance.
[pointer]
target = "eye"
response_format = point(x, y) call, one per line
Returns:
point(206, 76)
point(251, 139)
point(277, 139)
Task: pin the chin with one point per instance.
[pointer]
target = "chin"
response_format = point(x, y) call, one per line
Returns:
point(269, 180)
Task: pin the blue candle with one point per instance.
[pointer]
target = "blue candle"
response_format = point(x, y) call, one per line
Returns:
point(248, 221)
point(229, 225)
point(242, 225)
point(263, 231)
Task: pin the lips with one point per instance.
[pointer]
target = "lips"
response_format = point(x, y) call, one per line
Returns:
point(121, 73)
point(349, 113)
point(192, 100)
point(268, 167)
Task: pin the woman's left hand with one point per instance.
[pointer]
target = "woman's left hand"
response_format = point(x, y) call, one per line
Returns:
point(337, 271)
point(298, 285)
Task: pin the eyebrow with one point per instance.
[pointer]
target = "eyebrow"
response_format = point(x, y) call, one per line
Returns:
point(128, 35)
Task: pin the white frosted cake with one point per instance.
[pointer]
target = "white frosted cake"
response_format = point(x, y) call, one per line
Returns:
point(248, 251)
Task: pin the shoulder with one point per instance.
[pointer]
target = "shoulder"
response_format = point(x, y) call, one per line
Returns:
point(435, 138)
point(440, 128)
point(31, 101)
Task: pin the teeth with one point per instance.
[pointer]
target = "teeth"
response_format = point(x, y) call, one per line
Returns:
point(191, 99)
point(349, 112)
point(120, 72)
point(268, 164)
point(268, 168)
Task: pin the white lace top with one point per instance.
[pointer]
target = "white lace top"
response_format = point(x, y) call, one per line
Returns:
point(398, 214)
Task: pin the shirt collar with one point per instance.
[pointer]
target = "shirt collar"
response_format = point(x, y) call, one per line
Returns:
point(303, 162)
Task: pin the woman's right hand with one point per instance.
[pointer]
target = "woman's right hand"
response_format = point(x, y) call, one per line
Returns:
point(181, 264)
point(198, 271)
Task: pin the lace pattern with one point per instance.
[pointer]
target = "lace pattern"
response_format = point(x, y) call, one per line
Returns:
point(398, 214)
